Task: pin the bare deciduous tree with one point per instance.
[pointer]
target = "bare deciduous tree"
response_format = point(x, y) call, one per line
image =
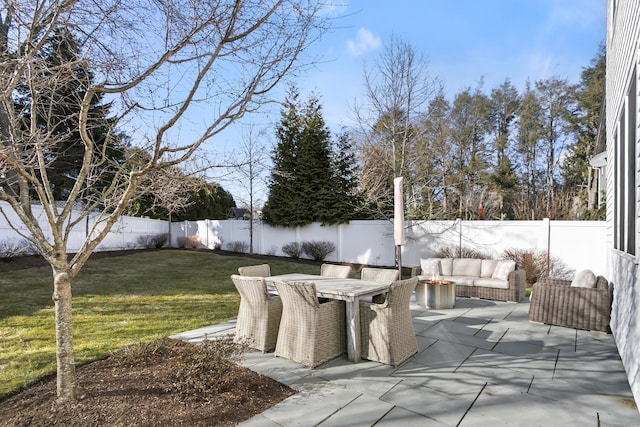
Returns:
point(251, 169)
point(161, 63)
point(398, 89)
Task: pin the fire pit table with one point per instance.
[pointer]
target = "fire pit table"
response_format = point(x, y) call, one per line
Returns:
point(436, 294)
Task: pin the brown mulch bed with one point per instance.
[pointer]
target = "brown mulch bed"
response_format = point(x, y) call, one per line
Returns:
point(142, 394)
point(138, 394)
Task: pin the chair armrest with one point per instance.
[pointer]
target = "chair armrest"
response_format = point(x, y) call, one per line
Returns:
point(556, 287)
point(415, 271)
point(602, 284)
point(518, 282)
point(553, 282)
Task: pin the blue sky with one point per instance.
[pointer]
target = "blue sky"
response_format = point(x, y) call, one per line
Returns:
point(463, 41)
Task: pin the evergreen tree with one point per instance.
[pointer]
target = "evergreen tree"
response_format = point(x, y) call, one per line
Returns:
point(350, 200)
point(315, 168)
point(303, 183)
point(209, 201)
point(505, 103)
point(528, 147)
point(576, 171)
point(170, 194)
point(469, 126)
point(282, 206)
point(57, 113)
point(434, 160)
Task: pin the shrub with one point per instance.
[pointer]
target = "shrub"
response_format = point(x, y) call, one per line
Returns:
point(192, 241)
point(293, 249)
point(203, 369)
point(238, 246)
point(13, 248)
point(160, 240)
point(271, 251)
point(206, 368)
point(318, 250)
point(188, 242)
point(140, 352)
point(536, 265)
point(153, 241)
point(456, 252)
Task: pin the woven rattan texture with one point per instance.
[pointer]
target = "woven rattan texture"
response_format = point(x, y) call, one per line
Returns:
point(515, 292)
point(556, 302)
point(333, 270)
point(386, 329)
point(260, 270)
point(259, 313)
point(379, 274)
point(310, 333)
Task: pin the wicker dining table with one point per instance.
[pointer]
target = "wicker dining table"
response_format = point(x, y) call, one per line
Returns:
point(351, 291)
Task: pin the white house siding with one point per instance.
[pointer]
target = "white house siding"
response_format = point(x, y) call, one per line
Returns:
point(623, 37)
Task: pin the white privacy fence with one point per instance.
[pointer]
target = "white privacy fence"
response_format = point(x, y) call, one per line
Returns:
point(124, 234)
point(579, 244)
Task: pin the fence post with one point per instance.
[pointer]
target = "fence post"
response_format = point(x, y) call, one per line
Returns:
point(459, 237)
point(547, 224)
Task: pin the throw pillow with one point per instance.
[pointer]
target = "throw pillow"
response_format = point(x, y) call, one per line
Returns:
point(430, 267)
point(503, 268)
point(584, 279)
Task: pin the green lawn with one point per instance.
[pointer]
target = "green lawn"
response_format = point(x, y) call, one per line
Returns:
point(116, 302)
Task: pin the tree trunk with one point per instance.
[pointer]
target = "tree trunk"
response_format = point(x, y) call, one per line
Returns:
point(66, 383)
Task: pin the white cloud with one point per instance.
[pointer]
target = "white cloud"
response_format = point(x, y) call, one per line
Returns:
point(365, 42)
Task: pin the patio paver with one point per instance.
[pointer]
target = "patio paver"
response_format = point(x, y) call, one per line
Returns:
point(480, 363)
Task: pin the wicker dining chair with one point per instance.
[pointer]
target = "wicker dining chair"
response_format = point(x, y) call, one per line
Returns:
point(260, 270)
point(259, 313)
point(310, 333)
point(386, 329)
point(334, 270)
point(379, 274)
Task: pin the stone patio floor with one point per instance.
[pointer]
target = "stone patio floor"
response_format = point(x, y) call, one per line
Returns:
point(481, 363)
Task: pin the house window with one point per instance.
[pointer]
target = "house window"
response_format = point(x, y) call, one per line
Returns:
point(624, 222)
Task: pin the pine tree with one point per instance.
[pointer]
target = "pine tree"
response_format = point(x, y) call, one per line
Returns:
point(282, 207)
point(505, 103)
point(350, 199)
point(304, 186)
point(469, 125)
point(576, 170)
point(209, 201)
point(58, 115)
point(528, 149)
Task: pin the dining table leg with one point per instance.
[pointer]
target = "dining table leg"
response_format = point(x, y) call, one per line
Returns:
point(353, 329)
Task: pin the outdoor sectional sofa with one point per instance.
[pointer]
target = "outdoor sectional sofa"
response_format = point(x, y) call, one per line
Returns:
point(498, 280)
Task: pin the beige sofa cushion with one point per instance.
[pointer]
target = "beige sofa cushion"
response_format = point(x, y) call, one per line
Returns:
point(430, 267)
point(503, 268)
point(461, 280)
point(491, 283)
point(466, 267)
point(488, 267)
point(446, 266)
point(584, 279)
